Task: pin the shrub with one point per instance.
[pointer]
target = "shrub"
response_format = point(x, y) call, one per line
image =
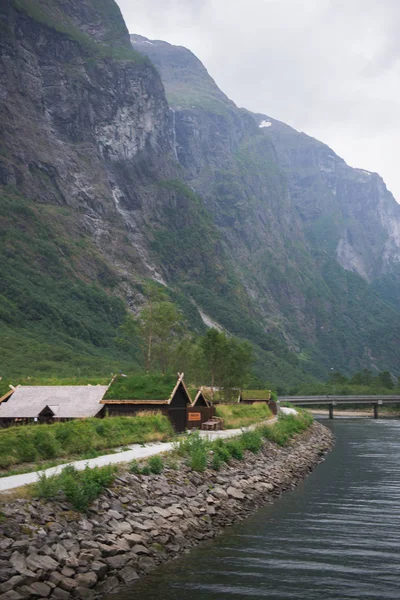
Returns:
point(252, 440)
point(145, 470)
point(219, 447)
point(80, 488)
point(287, 426)
point(156, 464)
point(235, 449)
point(134, 467)
point(217, 461)
point(198, 459)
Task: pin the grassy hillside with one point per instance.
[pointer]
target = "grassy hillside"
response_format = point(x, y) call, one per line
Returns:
point(54, 317)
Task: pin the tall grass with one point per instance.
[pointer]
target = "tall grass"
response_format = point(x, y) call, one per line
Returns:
point(80, 488)
point(287, 426)
point(32, 443)
point(242, 415)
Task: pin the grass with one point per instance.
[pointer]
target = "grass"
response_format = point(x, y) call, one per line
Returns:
point(201, 452)
point(242, 415)
point(80, 488)
point(32, 443)
point(287, 426)
point(141, 387)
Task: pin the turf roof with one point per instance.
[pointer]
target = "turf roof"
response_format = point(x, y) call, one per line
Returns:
point(256, 394)
point(141, 387)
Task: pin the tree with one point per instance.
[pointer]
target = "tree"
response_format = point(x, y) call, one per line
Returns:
point(228, 359)
point(385, 380)
point(213, 344)
point(364, 377)
point(160, 324)
point(127, 338)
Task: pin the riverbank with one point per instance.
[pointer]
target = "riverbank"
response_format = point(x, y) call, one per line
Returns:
point(51, 551)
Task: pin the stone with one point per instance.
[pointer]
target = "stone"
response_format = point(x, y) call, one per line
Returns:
point(134, 538)
point(115, 514)
point(85, 593)
point(118, 561)
point(11, 595)
point(109, 585)
point(99, 568)
point(88, 580)
point(128, 574)
point(60, 594)
point(13, 582)
point(60, 553)
point(40, 589)
point(140, 549)
point(68, 584)
point(36, 561)
point(56, 578)
point(219, 492)
point(146, 564)
point(235, 493)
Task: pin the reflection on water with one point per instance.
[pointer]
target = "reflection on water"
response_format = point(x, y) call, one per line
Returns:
point(337, 536)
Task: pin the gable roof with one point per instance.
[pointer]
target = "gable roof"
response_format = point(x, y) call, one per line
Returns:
point(255, 394)
point(155, 401)
point(65, 401)
point(200, 396)
point(7, 395)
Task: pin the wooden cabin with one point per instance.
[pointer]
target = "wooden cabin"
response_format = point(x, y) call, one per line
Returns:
point(255, 396)
point(174, 406)
point(199, 411)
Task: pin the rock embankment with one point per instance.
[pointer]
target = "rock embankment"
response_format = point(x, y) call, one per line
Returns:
point(50, 551)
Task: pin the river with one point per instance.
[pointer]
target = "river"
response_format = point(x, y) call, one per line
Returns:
point(337, 536)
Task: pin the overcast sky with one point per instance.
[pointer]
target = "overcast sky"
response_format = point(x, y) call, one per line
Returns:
point(329, 68)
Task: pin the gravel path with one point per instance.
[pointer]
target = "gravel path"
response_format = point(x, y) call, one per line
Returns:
point(136, 451)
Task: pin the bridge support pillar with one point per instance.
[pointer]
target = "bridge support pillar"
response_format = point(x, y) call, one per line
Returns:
point(331, 411)
point(375, 411)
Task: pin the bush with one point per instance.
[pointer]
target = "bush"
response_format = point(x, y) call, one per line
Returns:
point(252, 440)
point(287, 426)
point(198, 459)
point(217, 461)
point(235, 449)
point(145, 470)
point(134, 467)
point(156, 464)
point(219, 447)
point(80, 488)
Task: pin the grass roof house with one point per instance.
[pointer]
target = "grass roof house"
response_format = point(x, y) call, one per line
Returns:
point(256, 396)
point(250, 396)
point(51, 403)
point(128, 396)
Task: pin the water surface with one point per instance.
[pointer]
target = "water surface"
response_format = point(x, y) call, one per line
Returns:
point(337, 536)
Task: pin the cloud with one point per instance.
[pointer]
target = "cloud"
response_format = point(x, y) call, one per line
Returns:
point(327, 67)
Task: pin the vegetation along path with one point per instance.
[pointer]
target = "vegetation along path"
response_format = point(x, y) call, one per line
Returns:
point(136, 452)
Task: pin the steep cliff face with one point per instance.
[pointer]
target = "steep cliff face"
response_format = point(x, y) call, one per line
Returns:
point(87, 180)
point(310, 236)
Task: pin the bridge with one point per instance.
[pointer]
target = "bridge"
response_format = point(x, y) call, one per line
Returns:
point(334, 400)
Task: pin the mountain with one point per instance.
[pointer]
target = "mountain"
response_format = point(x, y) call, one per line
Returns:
point(122, 163)
point(315, 242)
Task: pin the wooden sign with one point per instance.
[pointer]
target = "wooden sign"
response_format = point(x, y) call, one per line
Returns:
point(192, 416)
